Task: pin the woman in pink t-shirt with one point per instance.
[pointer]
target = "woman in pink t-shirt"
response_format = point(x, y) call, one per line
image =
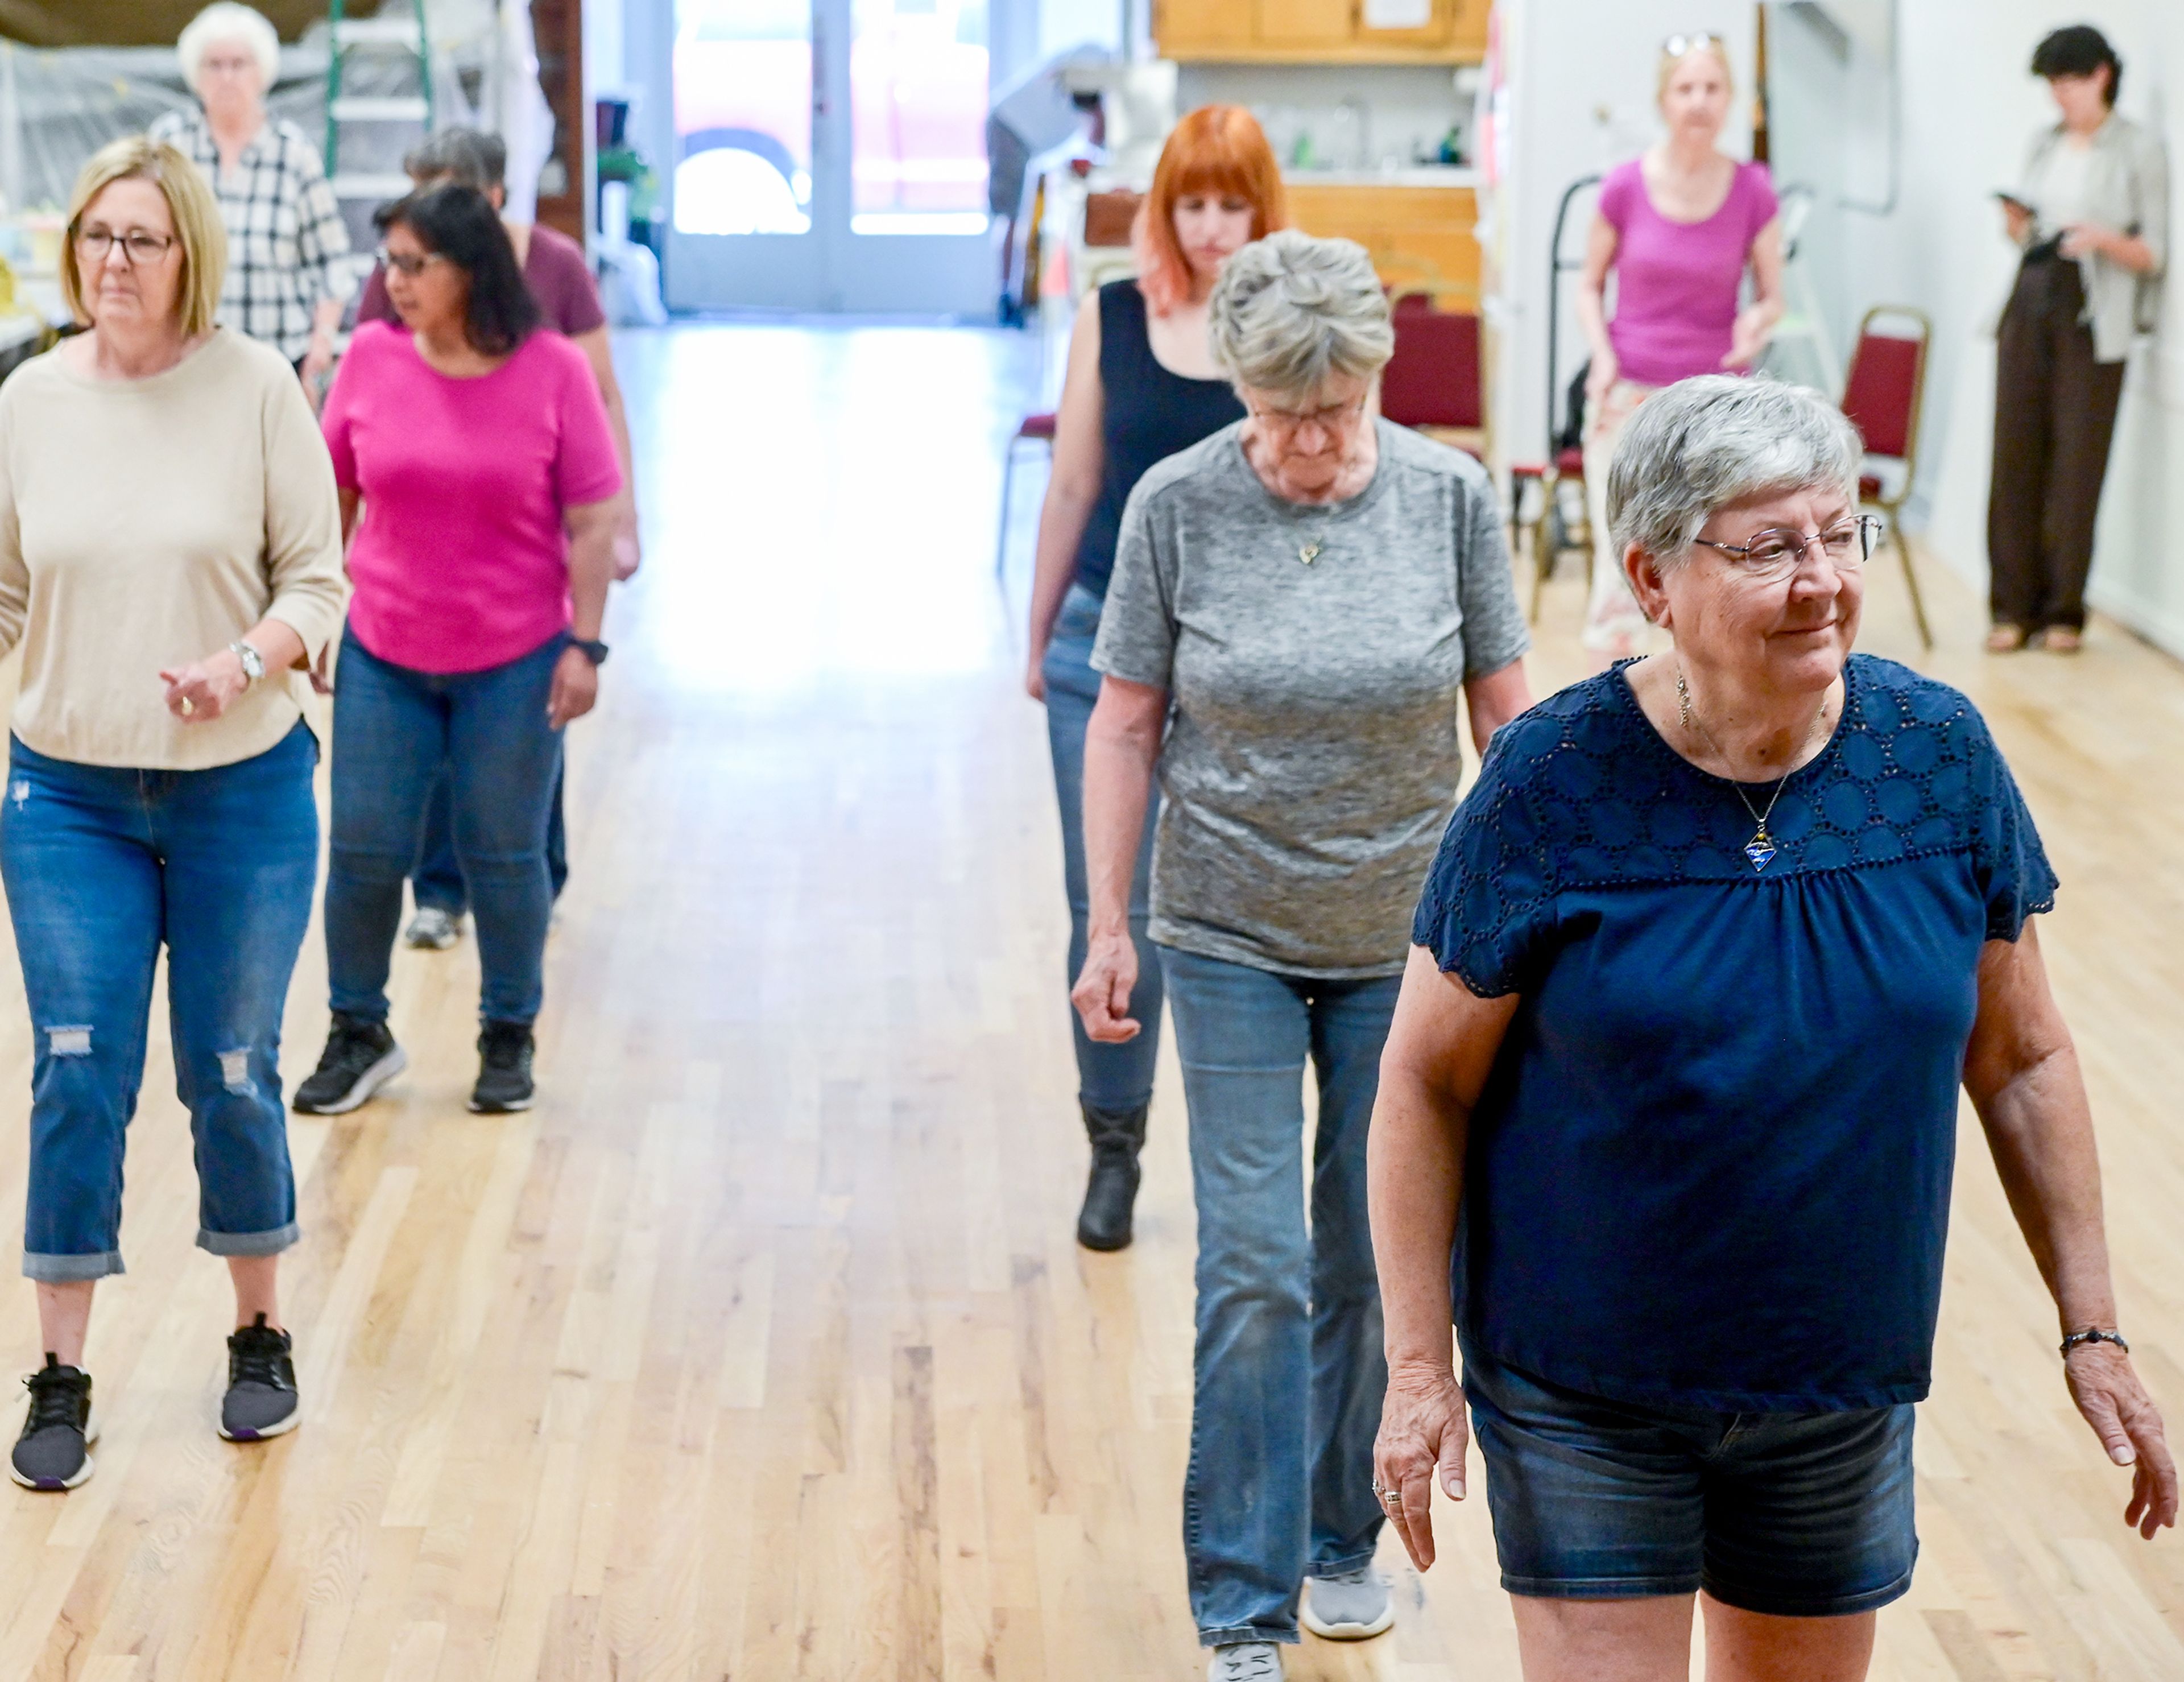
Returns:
point(1679, 226)
point(478, 450)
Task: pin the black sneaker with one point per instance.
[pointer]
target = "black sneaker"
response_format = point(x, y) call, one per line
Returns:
point(361, 1057)
point(261, 1399)
point(54, 1451)
point(503, 1082)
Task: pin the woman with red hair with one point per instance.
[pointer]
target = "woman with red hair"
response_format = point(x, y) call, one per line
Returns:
point(1142, 385)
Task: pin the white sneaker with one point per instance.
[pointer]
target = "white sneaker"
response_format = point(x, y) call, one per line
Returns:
point(1245, 1661)
point(433, 929)
point(1354, 1607)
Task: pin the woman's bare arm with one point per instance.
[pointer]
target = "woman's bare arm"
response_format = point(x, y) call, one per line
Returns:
point(1756, 322)
point(1591, 303)
point(1440, 1047)
point(1493, 700)
point(1122, 744)
point(2021, 1070)
point(1080, 457)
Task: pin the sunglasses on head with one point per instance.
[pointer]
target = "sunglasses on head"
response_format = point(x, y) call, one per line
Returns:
point(1676, 45)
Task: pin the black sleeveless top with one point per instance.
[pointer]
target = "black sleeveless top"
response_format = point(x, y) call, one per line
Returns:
point(1148, 414)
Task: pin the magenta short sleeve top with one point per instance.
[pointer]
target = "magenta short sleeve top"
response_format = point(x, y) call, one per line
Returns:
point(1676, 282)
point(462, 561)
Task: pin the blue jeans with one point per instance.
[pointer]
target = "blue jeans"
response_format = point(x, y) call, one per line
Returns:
point(1108, 1077)
point(104, 866)
point(436, 879)
point(394, 730)
point(1792, 1515)
point(1289, 1368)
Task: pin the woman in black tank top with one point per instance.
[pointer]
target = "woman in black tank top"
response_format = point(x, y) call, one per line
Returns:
point(1141, 386)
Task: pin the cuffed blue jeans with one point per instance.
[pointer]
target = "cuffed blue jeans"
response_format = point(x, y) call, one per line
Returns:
point(436, 880)
point(1288, 1372)
point(1108, 1077)
point(104, 866)
point(394, 730)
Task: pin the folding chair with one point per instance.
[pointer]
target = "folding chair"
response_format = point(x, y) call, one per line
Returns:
point(1882, 396)
point(1037, 429)
point(1431, 381)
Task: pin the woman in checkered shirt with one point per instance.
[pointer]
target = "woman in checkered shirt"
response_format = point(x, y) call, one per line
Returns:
point(288, 274)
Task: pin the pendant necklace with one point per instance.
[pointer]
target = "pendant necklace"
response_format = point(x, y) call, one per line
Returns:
point(1312, 548)
point(1761, 847)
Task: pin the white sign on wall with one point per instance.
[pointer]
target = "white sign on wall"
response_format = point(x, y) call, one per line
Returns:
point(1398, 14)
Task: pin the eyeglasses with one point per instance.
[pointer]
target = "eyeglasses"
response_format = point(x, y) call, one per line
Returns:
point(1775, 553)
point(96, 243)
point(412, 264)
point(1331, 419)
point(1676, 45)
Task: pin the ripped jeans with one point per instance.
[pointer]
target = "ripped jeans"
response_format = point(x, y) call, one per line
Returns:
point(103, 865)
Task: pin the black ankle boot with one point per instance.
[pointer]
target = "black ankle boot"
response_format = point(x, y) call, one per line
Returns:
point(1117, 1136)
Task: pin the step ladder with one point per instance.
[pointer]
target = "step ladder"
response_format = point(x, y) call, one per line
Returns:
point(396, 34)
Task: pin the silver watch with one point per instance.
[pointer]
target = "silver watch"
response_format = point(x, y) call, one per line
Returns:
point(253, 663)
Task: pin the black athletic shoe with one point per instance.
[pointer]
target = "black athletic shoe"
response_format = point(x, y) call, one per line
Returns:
point(503, 1082)
point(361, 1057)
point(261, 1399)
point(54, 1451)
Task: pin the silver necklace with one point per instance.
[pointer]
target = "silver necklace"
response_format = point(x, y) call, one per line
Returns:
point(1761, 847)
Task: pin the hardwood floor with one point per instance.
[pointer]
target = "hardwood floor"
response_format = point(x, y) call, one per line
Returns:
point(760, 1349)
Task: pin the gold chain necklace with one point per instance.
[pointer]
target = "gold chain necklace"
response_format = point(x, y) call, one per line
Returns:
point(1761, 847)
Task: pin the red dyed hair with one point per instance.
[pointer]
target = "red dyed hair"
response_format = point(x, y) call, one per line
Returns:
point(1216, 149)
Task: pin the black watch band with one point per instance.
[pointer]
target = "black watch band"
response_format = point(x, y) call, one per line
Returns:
point(595, 652)
point(2095, 1335)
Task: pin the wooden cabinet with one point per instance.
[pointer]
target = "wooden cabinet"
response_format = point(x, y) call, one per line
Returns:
point(1317, 32)
point(1418, 235)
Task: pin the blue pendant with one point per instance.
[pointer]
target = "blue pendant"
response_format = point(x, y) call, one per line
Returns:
point(1759, 849)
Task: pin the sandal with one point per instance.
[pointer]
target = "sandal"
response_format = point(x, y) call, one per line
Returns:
point(2005, 639)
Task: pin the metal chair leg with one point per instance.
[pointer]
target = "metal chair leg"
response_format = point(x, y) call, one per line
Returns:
point(1910, 578)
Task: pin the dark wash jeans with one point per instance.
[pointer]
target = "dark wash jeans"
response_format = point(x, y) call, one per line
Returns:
point(437, 880)
point(394, 730)
point(104, 866)
point(1288, 1371)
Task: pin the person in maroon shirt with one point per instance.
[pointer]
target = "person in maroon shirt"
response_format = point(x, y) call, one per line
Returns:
point(560, 279)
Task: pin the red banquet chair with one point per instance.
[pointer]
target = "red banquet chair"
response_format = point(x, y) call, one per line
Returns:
point(1882, 396)
point(1431, 381)
point(1037, 429)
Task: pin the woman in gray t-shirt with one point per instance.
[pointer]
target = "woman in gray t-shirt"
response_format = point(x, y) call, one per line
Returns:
point(1298, 603)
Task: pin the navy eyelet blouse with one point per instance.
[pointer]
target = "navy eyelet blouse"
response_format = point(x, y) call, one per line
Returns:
point(1711, 1166)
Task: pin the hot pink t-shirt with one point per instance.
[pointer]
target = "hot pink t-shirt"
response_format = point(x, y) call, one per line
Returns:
point(1676, 282)
point(461, 561)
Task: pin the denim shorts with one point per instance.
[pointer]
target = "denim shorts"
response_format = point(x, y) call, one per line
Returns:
point(1794, 1515)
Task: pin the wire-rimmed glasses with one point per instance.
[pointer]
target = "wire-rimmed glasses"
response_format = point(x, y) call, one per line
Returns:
point(1776, 553)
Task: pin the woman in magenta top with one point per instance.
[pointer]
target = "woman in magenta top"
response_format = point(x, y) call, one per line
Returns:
point(1679, 226)
point(478, 450)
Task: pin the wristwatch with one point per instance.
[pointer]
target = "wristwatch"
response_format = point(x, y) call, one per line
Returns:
point(595, 652)
point(253, 663)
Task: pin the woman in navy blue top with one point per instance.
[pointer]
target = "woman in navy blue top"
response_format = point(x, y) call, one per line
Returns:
point(1142, 385)
point(1702, 962)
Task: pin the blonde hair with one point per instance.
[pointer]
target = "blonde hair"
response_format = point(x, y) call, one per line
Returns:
point(228, 21)
point(1671, 62)
point(196, 212)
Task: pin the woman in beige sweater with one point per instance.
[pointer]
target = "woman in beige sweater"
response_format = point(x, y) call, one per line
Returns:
point(169, 562)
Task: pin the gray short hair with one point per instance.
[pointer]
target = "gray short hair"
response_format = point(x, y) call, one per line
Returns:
point(228, 21)
point(1707, 442)
point(469, 157)
point(1289, 311)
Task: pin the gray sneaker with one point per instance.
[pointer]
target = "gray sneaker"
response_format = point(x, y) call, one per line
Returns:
point(433, 929)
point(1352, 1607)
point(1245, 1661)
point(261, 1385)
point(59, 1428)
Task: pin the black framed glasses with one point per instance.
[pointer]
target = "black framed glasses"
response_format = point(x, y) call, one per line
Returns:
point(1775, 553)
point(137, 247)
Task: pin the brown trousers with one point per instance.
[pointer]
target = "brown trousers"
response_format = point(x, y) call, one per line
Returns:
point(2054, 414)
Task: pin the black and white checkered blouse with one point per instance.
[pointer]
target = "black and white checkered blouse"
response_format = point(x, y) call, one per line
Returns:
point(287, 246)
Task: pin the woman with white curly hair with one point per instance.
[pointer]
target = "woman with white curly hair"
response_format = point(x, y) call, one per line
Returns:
point(287, 279)
point(1299, 604)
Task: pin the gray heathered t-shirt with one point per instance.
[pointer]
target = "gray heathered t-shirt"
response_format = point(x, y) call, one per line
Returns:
point(1312, 753)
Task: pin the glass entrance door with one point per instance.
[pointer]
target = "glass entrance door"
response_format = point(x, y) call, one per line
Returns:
point(831, 155)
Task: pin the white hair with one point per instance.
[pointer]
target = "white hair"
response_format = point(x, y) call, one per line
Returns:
point(226, 20)
point(1707, 442)
point(1289, 311)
